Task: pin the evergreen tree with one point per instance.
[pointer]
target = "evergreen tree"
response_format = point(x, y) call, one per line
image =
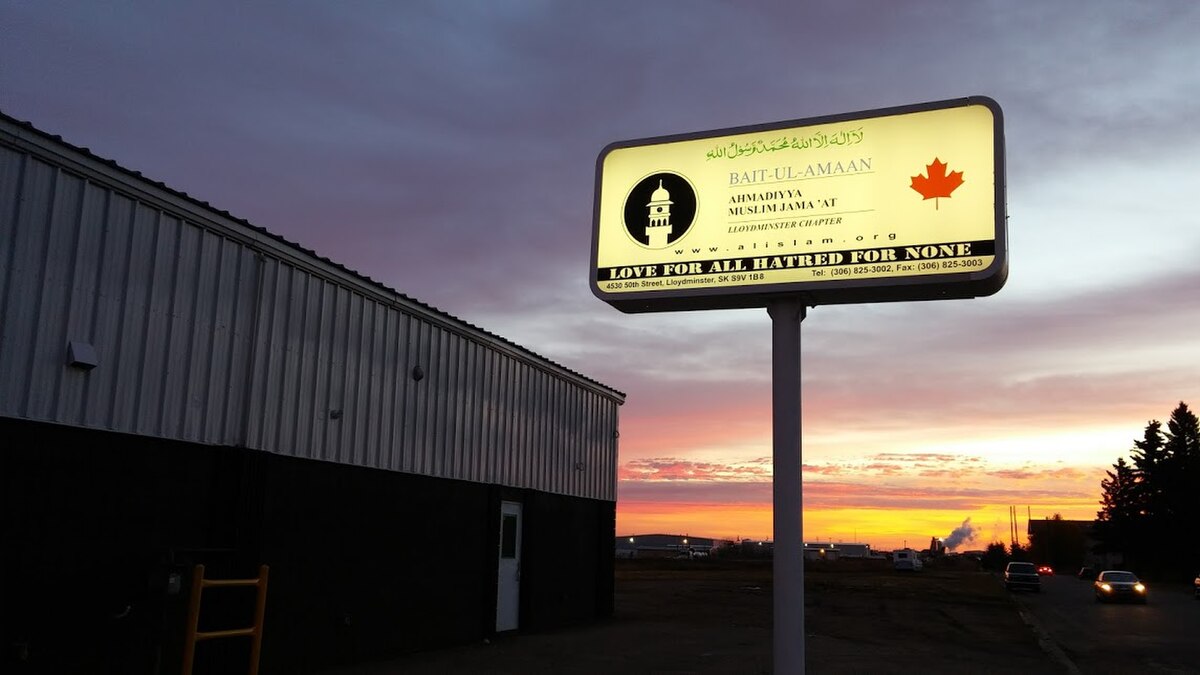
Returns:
point(1181, 480)
point(1152, 470)
point(1149, 460)
point(1120, 513)
point(1149, 507)
point(1018, 553)
point(994, 557)
point(1181, 444)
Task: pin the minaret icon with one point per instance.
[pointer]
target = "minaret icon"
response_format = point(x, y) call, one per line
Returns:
point(660, 217)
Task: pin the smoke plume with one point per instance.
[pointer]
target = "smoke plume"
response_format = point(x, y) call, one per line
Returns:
point(962, 534)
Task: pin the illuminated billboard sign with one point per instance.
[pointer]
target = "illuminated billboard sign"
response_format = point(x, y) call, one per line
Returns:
point(895, 204)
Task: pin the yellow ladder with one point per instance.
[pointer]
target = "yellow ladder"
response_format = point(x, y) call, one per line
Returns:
point(255, 632)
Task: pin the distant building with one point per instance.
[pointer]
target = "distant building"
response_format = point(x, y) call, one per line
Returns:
point(834, 550)
point(755, 548)
point(663, 546)
point(1078, 532)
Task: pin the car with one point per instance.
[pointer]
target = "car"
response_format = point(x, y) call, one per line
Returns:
point(1045, 570)
point(1196, 585)
point(1022, 575)
point(1086, 573)
point(1119, 585)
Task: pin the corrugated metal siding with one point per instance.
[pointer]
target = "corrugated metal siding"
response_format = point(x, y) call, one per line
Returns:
point(204, 336)
point(163, 302)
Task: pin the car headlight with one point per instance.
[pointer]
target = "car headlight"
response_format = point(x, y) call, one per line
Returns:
point(1105, 587)
point(1139, 588)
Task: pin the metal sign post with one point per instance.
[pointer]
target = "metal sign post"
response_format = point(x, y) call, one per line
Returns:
point(788, 563)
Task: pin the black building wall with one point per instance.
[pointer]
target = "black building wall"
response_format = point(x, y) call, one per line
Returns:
point(365, 564)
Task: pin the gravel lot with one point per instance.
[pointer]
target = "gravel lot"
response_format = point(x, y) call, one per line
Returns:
point(704, 616)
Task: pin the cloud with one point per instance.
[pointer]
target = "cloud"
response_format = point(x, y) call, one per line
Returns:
point(920, 457)
point(710, 388)
point(686, 470)
point(849, 494)
point(882, 464)
point(825, 469)
point(855, 486)
point(1039, 473)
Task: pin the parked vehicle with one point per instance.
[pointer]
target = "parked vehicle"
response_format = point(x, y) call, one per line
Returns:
point(906, 559)
point(1022, 575)
point(1118, 585)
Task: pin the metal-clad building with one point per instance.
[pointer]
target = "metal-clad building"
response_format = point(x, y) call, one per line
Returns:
point(663, 546)
point(179, 386)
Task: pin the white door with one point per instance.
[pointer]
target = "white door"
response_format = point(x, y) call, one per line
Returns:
point(508, 591)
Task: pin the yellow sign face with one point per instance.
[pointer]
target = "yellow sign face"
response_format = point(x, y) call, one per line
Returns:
point(898, 204)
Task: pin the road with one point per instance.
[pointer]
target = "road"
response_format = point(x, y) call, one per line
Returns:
point(1162, 636)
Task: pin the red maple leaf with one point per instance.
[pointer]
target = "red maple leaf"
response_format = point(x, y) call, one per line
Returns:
point(937, 184)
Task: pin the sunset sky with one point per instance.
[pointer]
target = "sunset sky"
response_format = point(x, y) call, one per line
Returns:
point(448, 149)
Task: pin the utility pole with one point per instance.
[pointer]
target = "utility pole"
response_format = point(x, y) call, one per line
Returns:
point(1012, 529)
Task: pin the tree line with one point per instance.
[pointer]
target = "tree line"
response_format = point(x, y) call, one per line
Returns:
point(1150, 505)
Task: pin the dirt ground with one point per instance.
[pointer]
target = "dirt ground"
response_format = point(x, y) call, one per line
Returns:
point(685, 616)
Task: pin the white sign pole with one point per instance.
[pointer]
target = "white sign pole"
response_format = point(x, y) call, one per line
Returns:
point(788, 563)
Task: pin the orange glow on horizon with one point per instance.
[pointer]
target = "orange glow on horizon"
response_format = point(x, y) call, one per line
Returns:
point(884, 529)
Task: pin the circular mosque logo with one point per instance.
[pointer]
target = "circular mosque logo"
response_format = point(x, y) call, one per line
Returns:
point(660, 209)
